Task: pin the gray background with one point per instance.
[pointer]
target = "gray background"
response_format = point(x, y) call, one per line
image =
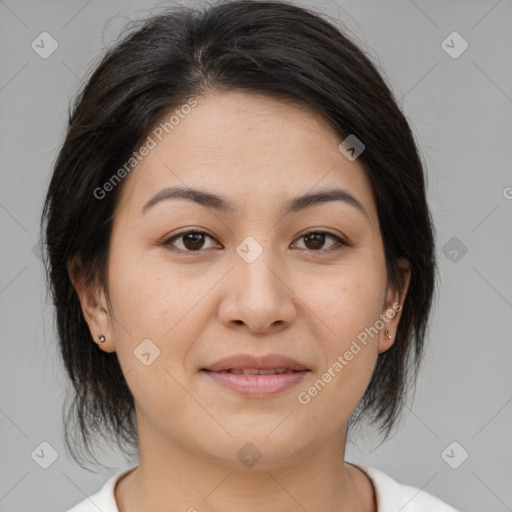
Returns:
point(460, 110)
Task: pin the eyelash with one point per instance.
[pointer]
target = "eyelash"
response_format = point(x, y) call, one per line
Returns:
point(340, 242)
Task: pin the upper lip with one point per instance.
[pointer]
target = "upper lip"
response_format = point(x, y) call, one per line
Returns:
point(267, 362)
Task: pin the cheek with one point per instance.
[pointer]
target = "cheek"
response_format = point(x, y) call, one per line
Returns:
point(346, 306)
point(144, 294)
point(153, 301)
point(347, 300)
point(156, 313)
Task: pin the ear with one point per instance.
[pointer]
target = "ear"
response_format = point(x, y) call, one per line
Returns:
point(393, 306)
point(94, 306)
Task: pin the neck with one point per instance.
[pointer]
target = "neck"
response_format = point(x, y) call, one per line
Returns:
point(172, 477)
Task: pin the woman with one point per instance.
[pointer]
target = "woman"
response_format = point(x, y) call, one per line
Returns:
point(237, 217)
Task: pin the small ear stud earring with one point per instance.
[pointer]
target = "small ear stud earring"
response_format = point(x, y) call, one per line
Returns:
point(388, 335)
point(101, 339)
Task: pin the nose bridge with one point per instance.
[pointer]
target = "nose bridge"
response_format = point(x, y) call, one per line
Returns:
point(257, 295)
point(254, 262)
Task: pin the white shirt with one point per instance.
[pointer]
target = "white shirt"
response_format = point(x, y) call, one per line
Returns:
point(392, 496)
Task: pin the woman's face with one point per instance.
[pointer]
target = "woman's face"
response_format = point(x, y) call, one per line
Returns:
point(248, 280)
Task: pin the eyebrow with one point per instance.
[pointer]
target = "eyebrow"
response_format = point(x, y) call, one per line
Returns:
point(222, 204)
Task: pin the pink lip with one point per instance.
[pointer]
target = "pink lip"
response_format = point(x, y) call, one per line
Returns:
point(257, 385)
point(267, 362)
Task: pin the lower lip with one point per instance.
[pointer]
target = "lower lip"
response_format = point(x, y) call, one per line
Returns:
point(257, 385)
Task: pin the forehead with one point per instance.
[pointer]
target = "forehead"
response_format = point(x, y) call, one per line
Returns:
point(254, 149)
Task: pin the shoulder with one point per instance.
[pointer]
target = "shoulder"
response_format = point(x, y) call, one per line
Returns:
point(103, 500)
point(392, 496)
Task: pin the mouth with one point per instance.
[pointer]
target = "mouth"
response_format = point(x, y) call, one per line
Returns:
point(256, 376)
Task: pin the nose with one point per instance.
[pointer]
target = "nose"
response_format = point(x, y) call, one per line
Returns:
point(257, 296)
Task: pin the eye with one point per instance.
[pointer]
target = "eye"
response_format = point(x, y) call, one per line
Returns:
point(192, 241)
point(316, 239)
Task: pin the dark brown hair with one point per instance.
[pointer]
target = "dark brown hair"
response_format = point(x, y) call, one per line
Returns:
point(274, 48)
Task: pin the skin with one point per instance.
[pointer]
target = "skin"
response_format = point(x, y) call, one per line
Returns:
point(296, 298)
